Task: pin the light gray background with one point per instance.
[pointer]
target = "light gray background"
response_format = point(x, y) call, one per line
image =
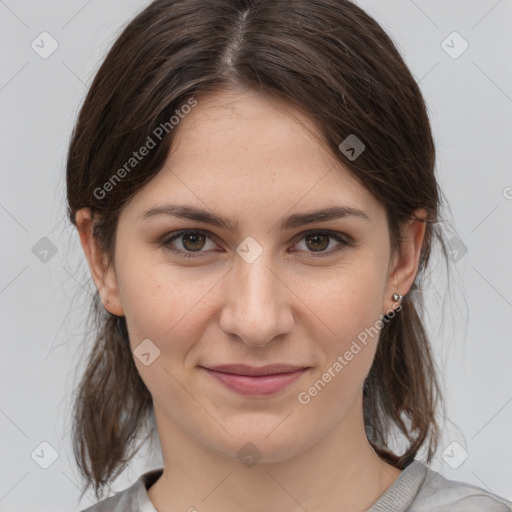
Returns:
point(43, 304)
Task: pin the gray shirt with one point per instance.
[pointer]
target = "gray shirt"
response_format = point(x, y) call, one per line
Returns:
point(417, 489)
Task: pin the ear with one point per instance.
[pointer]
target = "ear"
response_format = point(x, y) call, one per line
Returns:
point(104, 277)
point(405, 262)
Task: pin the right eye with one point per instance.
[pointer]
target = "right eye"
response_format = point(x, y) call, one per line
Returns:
point(191, 242)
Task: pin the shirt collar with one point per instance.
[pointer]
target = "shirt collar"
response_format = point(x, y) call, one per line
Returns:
point(397, 498)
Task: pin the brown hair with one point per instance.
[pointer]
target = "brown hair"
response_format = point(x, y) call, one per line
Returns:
point(333, 62)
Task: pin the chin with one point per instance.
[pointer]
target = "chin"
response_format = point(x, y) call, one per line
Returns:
point(268, 445)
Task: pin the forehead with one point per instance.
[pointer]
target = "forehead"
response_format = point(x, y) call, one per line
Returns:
point(243, 151)
point(246, 130)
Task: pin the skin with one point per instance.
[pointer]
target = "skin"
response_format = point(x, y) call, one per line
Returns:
point(255, 161)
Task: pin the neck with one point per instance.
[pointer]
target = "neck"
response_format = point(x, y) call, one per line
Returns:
point(341, 471)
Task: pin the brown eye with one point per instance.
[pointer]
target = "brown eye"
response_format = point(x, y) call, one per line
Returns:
point(317, 242)
point(193, 241)
point(188, 244)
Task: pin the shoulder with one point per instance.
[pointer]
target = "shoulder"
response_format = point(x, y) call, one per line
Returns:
point(111, 504)
point(131, 499)
point(438, 493)
point(125, 501)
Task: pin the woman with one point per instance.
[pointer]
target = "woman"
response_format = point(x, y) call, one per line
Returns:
point(253, 184)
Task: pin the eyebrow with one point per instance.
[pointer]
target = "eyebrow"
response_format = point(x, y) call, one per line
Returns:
point(292, 221)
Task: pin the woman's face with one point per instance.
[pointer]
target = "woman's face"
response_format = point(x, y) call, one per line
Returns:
point(256, 287)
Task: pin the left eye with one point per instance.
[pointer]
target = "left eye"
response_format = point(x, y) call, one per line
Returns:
point(193, 241)
point(319, 241)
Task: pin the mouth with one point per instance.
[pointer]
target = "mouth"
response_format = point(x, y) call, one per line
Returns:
point(256, 381)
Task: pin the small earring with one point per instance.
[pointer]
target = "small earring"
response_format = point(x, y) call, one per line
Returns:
point(397, 297)
point(106, 301)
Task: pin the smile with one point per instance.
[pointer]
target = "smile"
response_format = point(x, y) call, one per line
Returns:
point(256, 385)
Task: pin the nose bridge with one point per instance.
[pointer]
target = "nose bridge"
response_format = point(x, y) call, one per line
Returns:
point(256, 308)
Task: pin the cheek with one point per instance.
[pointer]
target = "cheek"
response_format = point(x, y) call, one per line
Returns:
point(165, 306)
point(351, 299)
point(346, 358)
point(154, 292)
point(350, 307)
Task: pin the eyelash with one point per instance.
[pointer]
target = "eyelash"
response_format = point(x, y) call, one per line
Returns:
point(166, 242)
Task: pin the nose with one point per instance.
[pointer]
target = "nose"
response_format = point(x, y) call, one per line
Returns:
point(258, 305)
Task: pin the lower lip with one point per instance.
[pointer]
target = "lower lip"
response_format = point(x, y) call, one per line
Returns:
point(256, 385)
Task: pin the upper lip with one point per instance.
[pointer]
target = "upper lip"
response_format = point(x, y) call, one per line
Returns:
point(269, 369)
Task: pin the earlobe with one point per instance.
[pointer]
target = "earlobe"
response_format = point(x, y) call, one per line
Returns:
point(103, 276)
point(406, 261)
